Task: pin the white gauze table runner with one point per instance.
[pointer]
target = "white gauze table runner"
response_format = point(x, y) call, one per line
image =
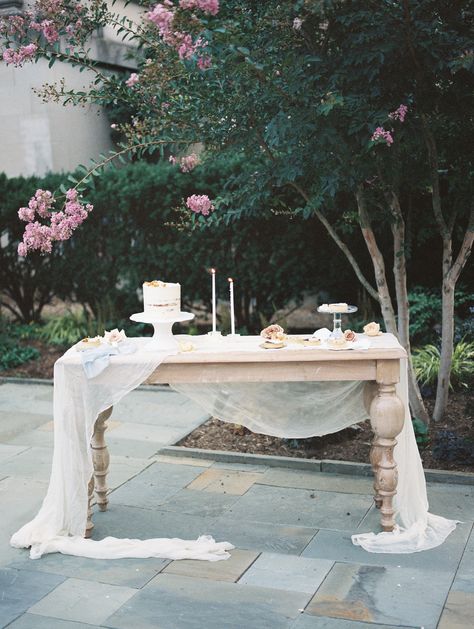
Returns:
point(60, 524)
point(306, 409)
point(296, 409)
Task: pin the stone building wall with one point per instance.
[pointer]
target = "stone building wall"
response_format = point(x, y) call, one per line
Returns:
point(37, 137)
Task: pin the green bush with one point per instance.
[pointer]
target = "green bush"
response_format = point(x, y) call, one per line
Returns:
point(132, 235)
point(426, 362)
point(15, 356)
point(425, 314)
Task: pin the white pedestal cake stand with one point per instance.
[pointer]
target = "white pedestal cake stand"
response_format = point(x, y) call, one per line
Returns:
point(163, 338)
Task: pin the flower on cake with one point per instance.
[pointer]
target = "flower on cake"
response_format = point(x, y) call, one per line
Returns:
point(114, 337)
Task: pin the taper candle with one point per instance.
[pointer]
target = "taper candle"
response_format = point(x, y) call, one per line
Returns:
point(214, 304)
point(232, 315)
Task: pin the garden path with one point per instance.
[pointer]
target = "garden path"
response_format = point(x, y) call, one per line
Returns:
point(294, 566)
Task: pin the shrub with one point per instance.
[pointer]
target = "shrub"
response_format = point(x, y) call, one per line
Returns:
point(16, 355)
point(426, 364)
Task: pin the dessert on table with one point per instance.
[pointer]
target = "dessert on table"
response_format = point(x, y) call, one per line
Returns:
point(161, 299)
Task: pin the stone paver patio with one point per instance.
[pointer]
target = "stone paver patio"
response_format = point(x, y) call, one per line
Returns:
point(294, 566)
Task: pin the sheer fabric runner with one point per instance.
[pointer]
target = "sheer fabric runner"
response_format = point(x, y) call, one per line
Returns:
point(308, 409)
point(60, 524)
point(294, 410)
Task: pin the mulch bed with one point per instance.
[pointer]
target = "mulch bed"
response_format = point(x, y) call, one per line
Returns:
point(351, 444)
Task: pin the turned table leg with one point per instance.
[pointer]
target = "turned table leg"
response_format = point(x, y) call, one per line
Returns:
point(386, 415)
point(90, 524)
point(101, 459)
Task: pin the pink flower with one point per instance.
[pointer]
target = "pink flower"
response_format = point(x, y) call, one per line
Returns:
point(50, 31)
point(22, 249)
point(132, 80)
point(26, 214)
point(172, 159)
point(188, 163)
point(18, 57)
point(381, 134)
point(41, 237)
point(204, 62)
point(162, 18)
point(200, 204)
point(399, 114)
point(207, 6)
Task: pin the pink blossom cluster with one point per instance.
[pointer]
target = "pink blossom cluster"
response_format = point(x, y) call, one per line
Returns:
point(381, 134)
point(162, 16)
point(48, 28)
point(40, 237)
point(207, 6)
point(200, 204)
point(186, 163)
point(132, 80)
point(399, 114)
point(19, 56)
point(189, 162)
point(204, 62)
point(49, 18)
point(14, 25)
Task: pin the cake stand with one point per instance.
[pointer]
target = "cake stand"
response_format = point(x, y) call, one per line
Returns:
point(337, 321)
point(163, 338)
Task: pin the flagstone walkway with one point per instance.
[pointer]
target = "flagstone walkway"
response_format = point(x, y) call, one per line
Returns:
point(294, 566)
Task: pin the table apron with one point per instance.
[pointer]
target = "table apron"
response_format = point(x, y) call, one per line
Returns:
point(269, 372)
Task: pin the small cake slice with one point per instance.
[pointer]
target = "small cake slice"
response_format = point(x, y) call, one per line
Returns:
point(338, 307)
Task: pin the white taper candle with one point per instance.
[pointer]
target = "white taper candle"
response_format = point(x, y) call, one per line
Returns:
point(214, 303)
point(232, 315)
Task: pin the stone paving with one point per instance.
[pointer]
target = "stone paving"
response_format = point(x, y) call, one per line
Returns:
point(294, 566)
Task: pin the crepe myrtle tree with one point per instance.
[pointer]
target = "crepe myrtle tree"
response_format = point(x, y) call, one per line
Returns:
point(358, 113)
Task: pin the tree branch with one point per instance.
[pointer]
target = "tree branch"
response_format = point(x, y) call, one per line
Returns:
point(464, 252)
point(434, 168)
point(342, 246)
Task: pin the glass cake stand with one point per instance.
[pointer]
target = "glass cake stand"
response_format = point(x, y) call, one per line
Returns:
point(163, 338)
point(337, 319)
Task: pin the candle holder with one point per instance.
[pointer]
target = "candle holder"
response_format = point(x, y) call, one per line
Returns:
point(232, 337)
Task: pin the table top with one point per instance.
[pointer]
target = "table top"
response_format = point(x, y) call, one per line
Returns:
point(246, 350)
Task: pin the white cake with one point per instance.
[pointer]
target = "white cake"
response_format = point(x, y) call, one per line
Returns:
point(162, 299)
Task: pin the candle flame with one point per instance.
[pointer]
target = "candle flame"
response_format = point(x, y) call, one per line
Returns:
point(212, 270)
point(230, 279)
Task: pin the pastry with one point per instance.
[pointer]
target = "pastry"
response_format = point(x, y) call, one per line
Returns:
point(372, 329)
point(272, 345)
point(337, 343)
point(339, 307)
point(88, 343)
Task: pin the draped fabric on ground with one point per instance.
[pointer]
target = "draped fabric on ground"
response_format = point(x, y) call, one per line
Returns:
point(60, 524)
point(294, 410)
point(308, 409)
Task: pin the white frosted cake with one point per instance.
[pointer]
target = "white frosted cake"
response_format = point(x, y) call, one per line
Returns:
point(162, 299)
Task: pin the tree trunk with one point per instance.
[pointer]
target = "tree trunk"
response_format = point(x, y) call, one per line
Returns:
point(403, 307)
point(451, 273)
point(388, 313)
point(447, 347)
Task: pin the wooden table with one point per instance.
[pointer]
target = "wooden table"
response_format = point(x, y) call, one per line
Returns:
point(375, 365)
